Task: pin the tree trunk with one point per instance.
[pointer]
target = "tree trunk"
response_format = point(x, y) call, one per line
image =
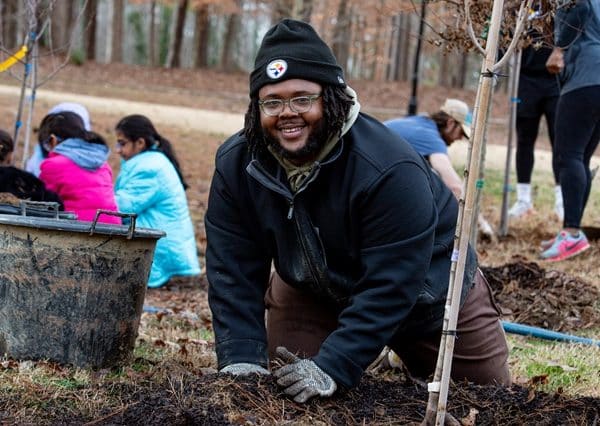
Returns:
point(296, 9)
point(392, 52)
point(117, 31)
point(72, 13)
point(202, 32)
point(90, 26)
point(404, 57)
point(152, 35)
point(364, 70)
point(61, 24)
point(305, 8)
point(9, 23)
point(228, 61)
point(175, 61)
point(164, 41)
point(445, 75)
point(381, 36)
point(341, 35)
point(281, 9)
point(57, 24)
point(463, 68)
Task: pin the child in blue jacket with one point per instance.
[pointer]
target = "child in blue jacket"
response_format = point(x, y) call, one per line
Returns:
point(150, 184)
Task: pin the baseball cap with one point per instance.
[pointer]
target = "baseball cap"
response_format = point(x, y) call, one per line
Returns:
point(76, 108)
point(459, 111)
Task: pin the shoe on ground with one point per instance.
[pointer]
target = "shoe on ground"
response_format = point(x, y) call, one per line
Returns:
point(520, 209)
point(484, 227)
point(566, 246)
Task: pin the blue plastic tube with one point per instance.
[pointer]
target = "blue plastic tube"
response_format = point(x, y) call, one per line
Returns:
point(509, 327)
point(542, 333)
point(154, 310)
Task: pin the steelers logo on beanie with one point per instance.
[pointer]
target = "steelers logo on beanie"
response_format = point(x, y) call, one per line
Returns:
point(293, 49)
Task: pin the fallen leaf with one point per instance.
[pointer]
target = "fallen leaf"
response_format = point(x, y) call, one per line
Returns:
point(470, 419)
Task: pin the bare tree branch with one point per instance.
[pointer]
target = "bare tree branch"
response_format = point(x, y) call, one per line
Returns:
point(470, 28)
point(521, 19)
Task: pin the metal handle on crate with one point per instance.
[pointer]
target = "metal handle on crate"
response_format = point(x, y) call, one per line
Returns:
point(132, 217)
point(50, 206)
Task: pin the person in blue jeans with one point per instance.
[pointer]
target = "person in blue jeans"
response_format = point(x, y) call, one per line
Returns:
point(577, 58)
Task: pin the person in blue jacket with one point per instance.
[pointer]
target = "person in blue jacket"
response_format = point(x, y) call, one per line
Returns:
point(150, 184)
point(577, 134)
point(335, 227)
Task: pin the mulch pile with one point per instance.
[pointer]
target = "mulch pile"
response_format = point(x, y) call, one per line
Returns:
point(529, 294)
point(218, 400)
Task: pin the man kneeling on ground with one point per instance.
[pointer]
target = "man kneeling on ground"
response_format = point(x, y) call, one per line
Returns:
point(358, 228)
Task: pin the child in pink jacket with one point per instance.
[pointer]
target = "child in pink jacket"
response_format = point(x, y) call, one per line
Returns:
point(76, 166)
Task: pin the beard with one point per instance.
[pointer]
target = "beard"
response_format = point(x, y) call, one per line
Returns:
point(316, 140)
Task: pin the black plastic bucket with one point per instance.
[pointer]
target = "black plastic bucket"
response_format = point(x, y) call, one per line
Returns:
point(70, 291)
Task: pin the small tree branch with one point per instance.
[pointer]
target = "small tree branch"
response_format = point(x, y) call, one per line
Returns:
point(470, 30)
point(521, 18)
point(64, 63)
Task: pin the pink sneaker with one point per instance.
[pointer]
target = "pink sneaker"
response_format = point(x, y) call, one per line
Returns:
point(566, 245)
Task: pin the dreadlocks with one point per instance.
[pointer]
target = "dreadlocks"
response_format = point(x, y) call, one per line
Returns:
point(336, 105)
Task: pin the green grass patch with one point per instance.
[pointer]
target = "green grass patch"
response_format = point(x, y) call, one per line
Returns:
point(556, 367)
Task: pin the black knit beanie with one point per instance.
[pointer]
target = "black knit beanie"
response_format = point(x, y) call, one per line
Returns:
point(293, 49)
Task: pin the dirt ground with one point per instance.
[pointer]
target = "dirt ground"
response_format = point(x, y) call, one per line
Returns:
point(185, 398)
point(563, 297)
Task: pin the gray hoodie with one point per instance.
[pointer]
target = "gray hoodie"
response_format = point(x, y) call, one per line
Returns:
point(89, 156)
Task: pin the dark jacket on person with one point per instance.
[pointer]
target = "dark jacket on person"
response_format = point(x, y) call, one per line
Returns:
point(26, 186)
point(536, 84)
point(533, 62)
point(369, 232)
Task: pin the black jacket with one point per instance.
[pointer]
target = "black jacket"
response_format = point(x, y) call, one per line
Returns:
point(26, 186)
point(371, 231)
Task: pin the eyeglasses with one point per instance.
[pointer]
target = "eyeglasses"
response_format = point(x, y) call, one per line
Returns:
point(299, 104)
point(121, 143)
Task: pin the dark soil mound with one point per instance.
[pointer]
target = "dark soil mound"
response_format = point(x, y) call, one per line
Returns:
point(529, 294)
point(218, 400)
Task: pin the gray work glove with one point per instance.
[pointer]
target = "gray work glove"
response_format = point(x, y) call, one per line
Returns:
point(302, 378)
point(243, 369)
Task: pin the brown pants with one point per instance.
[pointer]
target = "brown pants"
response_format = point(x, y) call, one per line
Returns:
point(301, 323)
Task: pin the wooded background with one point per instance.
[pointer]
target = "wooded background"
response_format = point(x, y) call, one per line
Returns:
point(372, 39)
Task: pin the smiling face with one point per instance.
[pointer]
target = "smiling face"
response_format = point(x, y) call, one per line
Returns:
point(298, 137)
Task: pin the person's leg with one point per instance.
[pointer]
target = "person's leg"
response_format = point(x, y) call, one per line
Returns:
point(587, 156)
point(296, 320)
point(550, 105)
point(577, 134)
point(480, 350)
point(550, 114)
point(527, 131)
point(576, 125)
